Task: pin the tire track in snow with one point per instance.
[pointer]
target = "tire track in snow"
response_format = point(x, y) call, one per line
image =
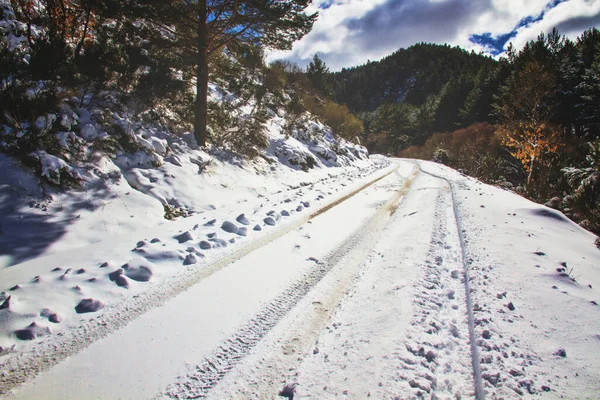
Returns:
point(20, 368)
point(201, 378)
point(475, 361)
point(435, 359)
point(503, 364)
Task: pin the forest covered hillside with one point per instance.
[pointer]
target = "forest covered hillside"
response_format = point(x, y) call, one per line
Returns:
point(529, 121)
point(408, 75)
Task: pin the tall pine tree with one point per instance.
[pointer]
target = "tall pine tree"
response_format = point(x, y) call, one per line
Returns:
point(201, 28)
point(317, 72)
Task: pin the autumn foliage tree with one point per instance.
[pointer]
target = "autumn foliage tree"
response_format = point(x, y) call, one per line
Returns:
point(68, 22)
point(529, 141)
point(525, 108)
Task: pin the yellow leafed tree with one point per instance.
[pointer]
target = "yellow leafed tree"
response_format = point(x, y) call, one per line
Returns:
point(525, 109)
point(529, 142)
point(69, 21)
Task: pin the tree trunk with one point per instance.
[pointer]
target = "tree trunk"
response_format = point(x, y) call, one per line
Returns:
point(530, 171)
point(201, 76)
point(85, 32)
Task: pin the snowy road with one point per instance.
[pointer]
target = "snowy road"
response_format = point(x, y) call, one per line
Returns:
point(389, 321)
point(395, 289)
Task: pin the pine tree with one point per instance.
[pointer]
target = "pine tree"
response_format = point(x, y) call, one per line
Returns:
point(317, 73)
point(201, 28)
point(589, 93)
point(585, 183)
point(526, 106)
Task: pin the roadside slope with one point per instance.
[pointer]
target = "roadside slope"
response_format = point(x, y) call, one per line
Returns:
point(423, 283)
point(534, 277)
point(178, 332)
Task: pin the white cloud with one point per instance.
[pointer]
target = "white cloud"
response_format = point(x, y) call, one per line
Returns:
point(329, 34)
point(570, 18)
point(350, 32)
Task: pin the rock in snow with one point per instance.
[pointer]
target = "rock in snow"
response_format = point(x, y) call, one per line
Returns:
point(269, 221)
point(218, 242)
point(140, 273)
point(242, 219)
point(32, 331)
point(190, 259)
point(5, 304)
point(204, 245)
point(229, 227)
point(118, 278)
point(88, 306)
point(184, 237)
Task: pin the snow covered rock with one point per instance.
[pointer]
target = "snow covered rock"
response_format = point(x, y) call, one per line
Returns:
point(229, 227)
point(32, 331)
point(242, 219)
point(88, 306)
point(137, 270)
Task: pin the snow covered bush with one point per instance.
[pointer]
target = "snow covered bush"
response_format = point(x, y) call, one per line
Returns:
point(237, 127)
point(172, 212)
point(56, 171)
point(441, 156)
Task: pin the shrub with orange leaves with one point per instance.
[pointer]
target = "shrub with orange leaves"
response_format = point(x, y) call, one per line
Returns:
point(69, 21)
point(529, 142)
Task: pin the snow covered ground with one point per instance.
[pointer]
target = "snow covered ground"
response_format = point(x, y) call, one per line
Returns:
point(132, 191)
point(382, 279)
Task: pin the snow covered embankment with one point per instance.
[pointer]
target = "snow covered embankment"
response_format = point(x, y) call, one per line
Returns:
point(166, 176)
point(63, 290)
point(533, 276)
point(368, 298)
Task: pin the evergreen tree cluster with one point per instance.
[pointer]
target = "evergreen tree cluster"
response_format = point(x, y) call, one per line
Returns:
point(414, 92)
point(153, 57)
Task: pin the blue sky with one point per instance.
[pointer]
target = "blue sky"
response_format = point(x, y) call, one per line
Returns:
point(497, 44)
point(350, 32)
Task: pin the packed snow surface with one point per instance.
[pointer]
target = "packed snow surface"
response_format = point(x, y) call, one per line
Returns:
point(381, 278)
